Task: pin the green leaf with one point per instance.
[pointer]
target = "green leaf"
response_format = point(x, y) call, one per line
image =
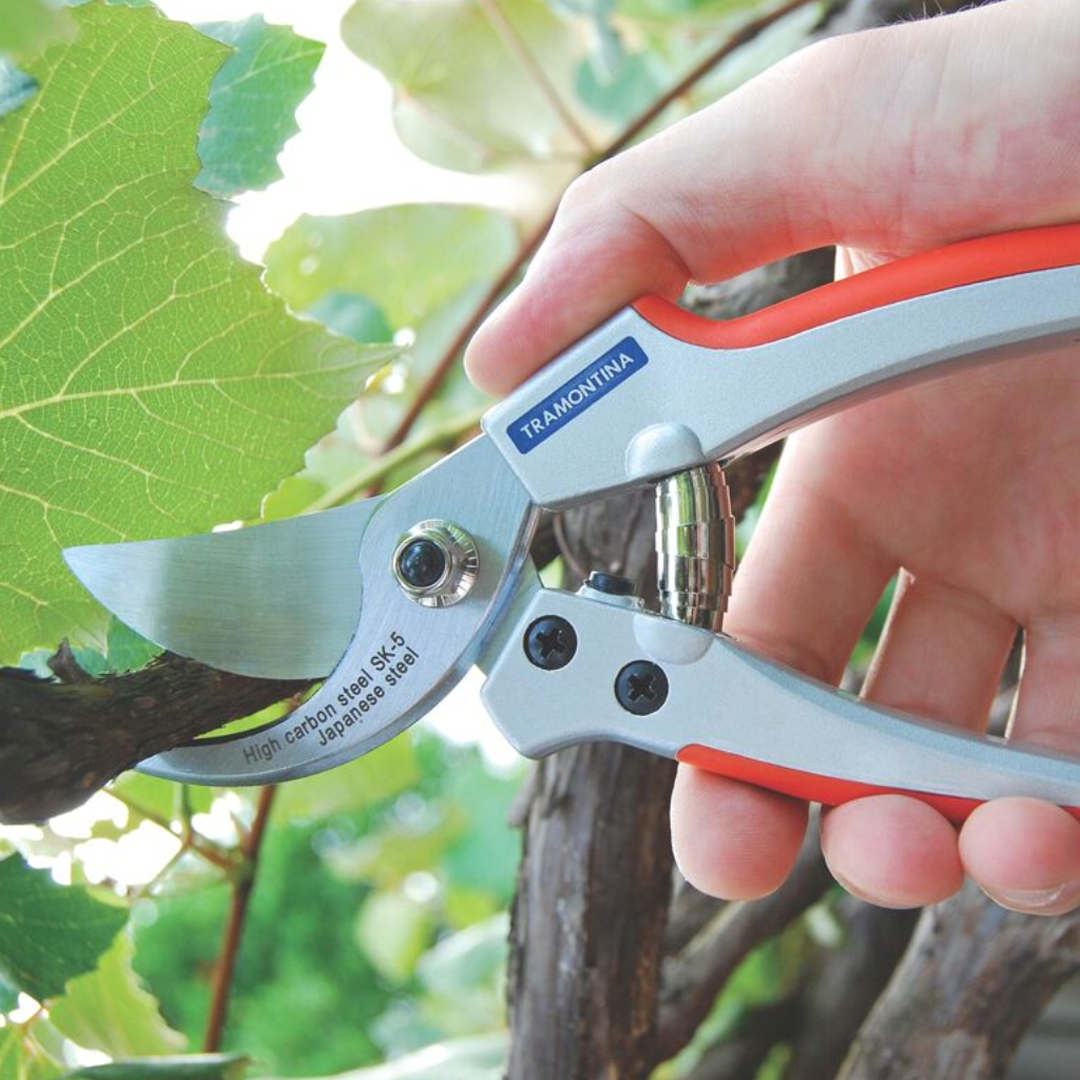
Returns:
point(416, 268)
point(109, 1010)
point(11, 1054)
point(149, 385)
point(127, 651)
point(351, 316)
point(470, 958)
point(622, 93)
point(27, 26)
point(253, 103)
point(393, 931)
point(49, 933)
point(462, 97)
point(406, 260)
point(373, 778)
point(124, 651)
point(191, 1067)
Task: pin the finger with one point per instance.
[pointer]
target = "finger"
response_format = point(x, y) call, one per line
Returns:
point(892, 851)
point(941, 653)
point(811, 575)
point(940, 656)
point(802, 597)
point(824, 148)
point(1048, 701)
point(1024, 853)
point(730, 839)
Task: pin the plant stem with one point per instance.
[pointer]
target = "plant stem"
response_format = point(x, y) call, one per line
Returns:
point(529, 245)
point(446, 432)
point(243, 883)
point(512, 39)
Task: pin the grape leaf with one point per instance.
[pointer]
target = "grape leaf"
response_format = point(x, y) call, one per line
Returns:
point(462, 97)
point(49, 933)
point(407, 260)
point(149, 384)
point(253, 103)
point(109, 1010)
point(373, 778)
point(26, 26)
point(11, 1053)
point(417, 268)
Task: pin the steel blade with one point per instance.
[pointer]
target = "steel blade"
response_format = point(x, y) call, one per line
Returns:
point(274, 601)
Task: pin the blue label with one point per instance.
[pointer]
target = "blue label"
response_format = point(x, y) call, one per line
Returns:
point(576, 395)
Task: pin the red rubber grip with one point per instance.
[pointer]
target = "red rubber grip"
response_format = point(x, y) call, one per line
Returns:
point(964, 263)
point(827, 790)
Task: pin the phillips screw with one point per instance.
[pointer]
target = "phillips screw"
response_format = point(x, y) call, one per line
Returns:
point(550, 643)
point(641, 687)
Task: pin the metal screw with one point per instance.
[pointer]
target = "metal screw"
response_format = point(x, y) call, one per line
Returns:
point(641, 687)
point(550, 643)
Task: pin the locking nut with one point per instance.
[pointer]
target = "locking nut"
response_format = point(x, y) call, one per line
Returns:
point(436, 563)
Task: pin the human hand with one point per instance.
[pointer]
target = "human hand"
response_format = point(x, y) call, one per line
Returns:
point(883, 143)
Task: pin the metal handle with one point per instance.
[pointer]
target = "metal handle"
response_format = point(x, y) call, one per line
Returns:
point(719, 706)
point(655, 391)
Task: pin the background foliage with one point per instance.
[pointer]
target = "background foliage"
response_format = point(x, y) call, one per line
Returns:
point(153, 383)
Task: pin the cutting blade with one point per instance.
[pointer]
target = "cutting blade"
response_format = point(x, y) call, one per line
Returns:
point(278, 601)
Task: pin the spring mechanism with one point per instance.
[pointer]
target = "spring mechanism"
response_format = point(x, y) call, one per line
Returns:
point(695, 546)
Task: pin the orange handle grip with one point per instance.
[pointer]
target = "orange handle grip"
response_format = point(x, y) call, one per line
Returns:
point(827, 790)
point(963, 263)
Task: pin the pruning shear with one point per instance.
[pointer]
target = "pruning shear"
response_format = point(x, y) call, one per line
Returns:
point(390, 600)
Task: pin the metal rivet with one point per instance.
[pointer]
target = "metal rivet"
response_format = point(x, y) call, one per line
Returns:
point(641, 687)
point(550, 643)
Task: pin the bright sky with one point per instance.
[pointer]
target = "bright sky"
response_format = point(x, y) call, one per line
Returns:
point(347, 156)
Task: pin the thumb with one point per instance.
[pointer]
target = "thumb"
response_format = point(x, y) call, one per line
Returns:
point(889, 140)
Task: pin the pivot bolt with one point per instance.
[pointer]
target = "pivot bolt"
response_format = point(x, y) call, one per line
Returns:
point(641, 687)
point(550, 643)
point(421, 563)
point(436, 563)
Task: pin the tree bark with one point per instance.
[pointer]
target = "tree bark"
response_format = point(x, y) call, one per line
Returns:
point(61, 742)
point(974, 980)
point(590, 915)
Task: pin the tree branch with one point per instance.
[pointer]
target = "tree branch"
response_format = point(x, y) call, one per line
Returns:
point(694, 977)
point(741, 1056)
point(845, 983)
point(61, 742)
point(972, 983)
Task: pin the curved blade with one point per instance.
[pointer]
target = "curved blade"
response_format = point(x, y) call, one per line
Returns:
point(274, 601)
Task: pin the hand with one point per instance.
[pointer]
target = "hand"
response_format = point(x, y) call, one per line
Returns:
point(883, 143)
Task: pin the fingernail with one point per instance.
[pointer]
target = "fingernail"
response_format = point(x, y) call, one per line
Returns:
point(1035, 900)
point(868, 898)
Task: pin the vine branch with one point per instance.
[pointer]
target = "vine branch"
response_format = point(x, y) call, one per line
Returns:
point(243, 882)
